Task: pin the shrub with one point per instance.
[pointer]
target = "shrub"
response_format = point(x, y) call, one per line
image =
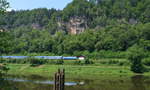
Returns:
point(146, 61)
point(124, 63)
point(103, 62)
point(106, 54)
point(121, 63)
point(113, 62)
point(88, 61)
point(135, 56)
point(59, 62)
point(18, 61)
point(35, 62)
point(2, 60)
point(3, 69)
point(77, 62)
point(51, 61)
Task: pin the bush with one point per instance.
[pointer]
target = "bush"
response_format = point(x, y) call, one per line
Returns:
point(124, 63)
point(136, 55)
point(106, 54)
point(103, 62)
point(146, 61)
point(77, 62)
point(2, 60)
point(113, 62)
point(31, 60)
point(35, 62)
point(18, 61)
point(59, 62)
point(3, 69)
point(88, 61)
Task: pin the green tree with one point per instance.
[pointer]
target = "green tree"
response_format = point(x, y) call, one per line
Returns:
point(6, 42)
point(3, 5)
point(5, 37)
point(76, 8)
point(136, 55)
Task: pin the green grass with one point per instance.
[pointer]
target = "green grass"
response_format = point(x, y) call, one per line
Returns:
point(101, 67)
point(72, 71)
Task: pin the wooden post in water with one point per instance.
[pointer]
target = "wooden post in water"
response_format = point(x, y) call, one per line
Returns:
point(59, 80)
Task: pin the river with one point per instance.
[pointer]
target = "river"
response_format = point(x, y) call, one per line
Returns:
point(104, 83)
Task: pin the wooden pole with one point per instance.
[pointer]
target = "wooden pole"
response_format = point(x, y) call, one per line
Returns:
point(54, 88)
point(63, 79)
point(59, 80)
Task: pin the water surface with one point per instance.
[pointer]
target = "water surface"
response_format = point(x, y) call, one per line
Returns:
point(104, 83)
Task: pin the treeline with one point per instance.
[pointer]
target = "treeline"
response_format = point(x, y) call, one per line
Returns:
point(113, 25)
point(36, 17)
point(112, 38)
point(98, 14)
point(101, 13)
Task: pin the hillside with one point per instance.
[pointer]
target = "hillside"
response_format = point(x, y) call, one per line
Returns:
point(109, 25)
point(81, 14)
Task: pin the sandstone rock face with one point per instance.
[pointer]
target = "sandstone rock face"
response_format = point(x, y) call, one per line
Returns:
point(36, 26)
point(75, 25)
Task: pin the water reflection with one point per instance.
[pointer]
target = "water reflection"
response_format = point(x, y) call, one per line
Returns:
point(6, 85)
point(138, 82)
point(104, 83)
point(41, 81)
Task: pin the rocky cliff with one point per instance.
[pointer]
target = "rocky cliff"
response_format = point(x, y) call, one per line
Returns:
point(75, 25)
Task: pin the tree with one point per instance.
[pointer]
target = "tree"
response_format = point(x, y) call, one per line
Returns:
point(6, 42)
point(4, 36)
point(3, 5)
point(76, 8)
point(136, 55)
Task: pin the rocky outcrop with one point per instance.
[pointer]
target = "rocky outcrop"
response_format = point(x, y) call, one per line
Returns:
point(75, 25)
point(36, 26)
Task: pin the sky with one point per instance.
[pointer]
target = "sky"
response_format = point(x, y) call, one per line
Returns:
point(31, 4)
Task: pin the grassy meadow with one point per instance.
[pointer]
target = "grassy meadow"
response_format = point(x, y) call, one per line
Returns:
point(73, 68)
point(72, 71)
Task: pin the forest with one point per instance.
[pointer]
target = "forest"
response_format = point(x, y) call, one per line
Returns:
point(113, 27)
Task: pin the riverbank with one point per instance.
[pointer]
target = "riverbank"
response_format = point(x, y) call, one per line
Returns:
point(72, 71)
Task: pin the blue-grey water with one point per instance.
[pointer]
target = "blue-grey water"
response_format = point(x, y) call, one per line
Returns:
point(14, 57)
point(41, 81)
point(102, 83)
point(40, 57)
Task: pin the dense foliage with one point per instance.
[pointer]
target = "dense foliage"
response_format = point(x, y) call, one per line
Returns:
point(113, 26)
point(4, 37)
point(114, 38)
point(3, 5)
point(136, 55)
point(37, 18)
